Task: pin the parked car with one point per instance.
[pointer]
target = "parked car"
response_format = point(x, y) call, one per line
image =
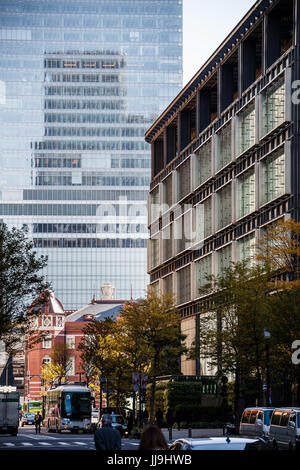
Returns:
point(255, 422)
point(27, 418)
point(220, 443)
point(119, 423)
point(284, 432)
point(95, 416)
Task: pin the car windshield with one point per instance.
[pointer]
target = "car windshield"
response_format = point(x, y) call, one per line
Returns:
point(267, 417)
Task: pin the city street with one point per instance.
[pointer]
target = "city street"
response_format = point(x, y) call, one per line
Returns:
point(27, 439)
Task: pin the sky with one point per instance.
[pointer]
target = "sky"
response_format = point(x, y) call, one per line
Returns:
point(206, 23)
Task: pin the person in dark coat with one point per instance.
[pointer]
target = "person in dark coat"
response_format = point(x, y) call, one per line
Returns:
point(37, 422)
point(129, 423)
point(145, 416)
point(159, 417)
point(170, 418)
point(106, 437)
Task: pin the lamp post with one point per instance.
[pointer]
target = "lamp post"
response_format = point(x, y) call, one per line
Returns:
point(267, 336)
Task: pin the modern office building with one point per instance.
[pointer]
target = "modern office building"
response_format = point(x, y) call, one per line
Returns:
point(225, 159)
point(80, 82)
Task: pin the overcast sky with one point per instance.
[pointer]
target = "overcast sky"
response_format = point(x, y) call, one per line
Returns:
point(206, 23)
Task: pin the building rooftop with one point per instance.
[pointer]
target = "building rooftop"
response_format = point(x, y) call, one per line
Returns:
point(98, 310)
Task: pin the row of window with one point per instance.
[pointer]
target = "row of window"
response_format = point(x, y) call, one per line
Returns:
point(90, 243)
point(89, 228)
point(83, 195)
point(97, 118)
point(87, 179)
point(72, 104)
point(76, 77)
point(67, 209)
point(94, 131)
point(89, 145)
point(85, 91)
point(84, 63)
point(47, 161)
point(88, 13)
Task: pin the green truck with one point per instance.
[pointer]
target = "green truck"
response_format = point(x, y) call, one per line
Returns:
point(9, 413)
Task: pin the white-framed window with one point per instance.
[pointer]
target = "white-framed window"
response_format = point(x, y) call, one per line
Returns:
point(47, 320)
point(60, 321)
point(46, 360)
point(71, 366)
point(70, 341)
point(47, 342)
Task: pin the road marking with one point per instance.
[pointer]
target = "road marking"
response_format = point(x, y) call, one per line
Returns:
point(80, 443)
point(26, 444)
point(63, 443)
point(45, 444)
point(8, 444)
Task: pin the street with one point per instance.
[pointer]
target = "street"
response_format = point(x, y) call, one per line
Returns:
point(27, 439)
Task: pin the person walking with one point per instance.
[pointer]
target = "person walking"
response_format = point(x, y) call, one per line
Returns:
point(152, 438)
point(159, 417)
point(170, 418)
point(129, 423)
point(106, 437)
point(145, 416)
point(37, 422)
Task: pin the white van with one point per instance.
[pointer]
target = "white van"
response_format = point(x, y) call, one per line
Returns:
point(255, 422)
point(284, 430)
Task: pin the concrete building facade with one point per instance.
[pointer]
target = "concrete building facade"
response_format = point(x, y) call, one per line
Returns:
point(225, 159)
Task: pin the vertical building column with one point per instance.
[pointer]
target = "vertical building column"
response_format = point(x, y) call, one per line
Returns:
point(234, 199)
point(257, 185)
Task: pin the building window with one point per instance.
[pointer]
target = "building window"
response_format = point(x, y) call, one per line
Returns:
point(224, 146)
point(273, 176)
point(203, 269)
point(71, 366)
point(204, 166)
point(224, 212)
point(154, 244)
point(246, 129)
point(154, 204)
point(70, 341)
point(168, 284)
point(46, 360)
point(246, 249)
point(59, 321)
point(184, 180)
point(184, 285)
point(47, 320)
point(246, 194)
point(224, 258)
point(273, 107)
point(47, 342)
point(168, 190)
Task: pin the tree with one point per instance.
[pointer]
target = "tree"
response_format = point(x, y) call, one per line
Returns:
point(58, 368)
point(232, 328)
point(21, 282)
point(161, 333)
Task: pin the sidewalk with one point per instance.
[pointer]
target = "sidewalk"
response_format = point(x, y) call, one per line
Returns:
point(184, 433)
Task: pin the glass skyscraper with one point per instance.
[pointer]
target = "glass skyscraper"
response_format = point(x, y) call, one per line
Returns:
point(80, 82)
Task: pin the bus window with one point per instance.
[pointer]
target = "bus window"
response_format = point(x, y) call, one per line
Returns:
point(68, 404)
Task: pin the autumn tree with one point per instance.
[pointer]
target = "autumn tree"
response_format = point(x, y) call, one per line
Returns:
point(232, 327)
point(57, 370)
point(21, 282)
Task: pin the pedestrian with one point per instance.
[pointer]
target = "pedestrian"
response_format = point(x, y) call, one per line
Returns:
point(106, 437)
point(145, 416)
point(170, 418)
point(152, 438)
point(159, 417)
point(129, 423)
point(37, 421)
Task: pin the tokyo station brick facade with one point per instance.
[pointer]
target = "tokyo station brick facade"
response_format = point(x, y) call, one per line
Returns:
point(225, 159)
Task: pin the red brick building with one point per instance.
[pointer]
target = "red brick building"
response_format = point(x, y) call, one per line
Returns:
point(61, 326)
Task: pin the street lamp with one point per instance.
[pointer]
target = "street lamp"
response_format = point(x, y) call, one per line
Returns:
point(267, 336)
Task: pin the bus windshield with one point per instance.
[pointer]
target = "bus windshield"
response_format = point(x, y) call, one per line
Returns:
point(76, 405)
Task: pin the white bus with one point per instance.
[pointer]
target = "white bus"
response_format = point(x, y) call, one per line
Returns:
point(68, 407)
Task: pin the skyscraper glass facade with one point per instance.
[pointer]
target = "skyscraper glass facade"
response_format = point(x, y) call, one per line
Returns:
point(80, 82)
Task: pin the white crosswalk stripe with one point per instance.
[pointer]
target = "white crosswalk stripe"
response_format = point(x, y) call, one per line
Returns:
point(63, 443)
point(26, 444)
point(80, 443)
point(45, 444)
point(8, 444)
